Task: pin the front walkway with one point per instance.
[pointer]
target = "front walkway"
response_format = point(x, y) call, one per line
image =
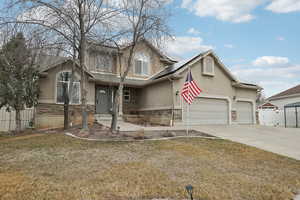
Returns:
point(284, 141)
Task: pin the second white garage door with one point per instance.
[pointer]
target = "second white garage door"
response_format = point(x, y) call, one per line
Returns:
point(244, 112)
point(207, 111)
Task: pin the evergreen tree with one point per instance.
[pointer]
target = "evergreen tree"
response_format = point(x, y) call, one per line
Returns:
point(18, 77)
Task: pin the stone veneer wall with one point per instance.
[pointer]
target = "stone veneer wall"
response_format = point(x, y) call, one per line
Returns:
point(52, 115)
point(154, 117)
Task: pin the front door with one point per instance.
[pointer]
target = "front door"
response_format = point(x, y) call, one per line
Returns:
point(103, 100)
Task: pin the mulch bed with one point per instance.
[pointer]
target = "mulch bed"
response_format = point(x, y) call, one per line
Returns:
point(98, 131)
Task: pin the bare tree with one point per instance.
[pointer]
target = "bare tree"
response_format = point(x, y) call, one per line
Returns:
point(261, 97)
point(74, 22)
point(142, 20)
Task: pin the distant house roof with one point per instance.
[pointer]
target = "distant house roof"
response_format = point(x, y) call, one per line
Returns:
point(292, 91)
point(267, 105)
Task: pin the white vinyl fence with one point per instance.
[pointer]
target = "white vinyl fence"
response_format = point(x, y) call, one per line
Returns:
point(8, 122)
point(270, 117)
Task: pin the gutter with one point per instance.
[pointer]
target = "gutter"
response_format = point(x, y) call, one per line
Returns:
point(241, 85)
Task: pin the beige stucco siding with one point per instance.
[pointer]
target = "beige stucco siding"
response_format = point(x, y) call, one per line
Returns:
point(48, 86)
point(243, 94)
point(217, 85)
point(155, 64)
point(156, 96)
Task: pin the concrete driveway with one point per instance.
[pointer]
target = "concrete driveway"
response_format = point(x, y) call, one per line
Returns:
point(284, 141)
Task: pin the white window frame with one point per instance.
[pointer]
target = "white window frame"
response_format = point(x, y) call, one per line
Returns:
point(205, 72)
point(129, 95)
point(144, 60)
point(76, 82)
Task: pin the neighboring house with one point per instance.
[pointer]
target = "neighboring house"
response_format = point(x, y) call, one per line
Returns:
point(152, 89)
point(288, 96)
point(283, 109)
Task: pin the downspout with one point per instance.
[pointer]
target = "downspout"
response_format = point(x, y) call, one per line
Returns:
point(172, 112)
point(284, 116)
point(296, 110)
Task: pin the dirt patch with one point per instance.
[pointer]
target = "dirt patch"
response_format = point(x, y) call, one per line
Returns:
point(98, 131)
point(12, 138)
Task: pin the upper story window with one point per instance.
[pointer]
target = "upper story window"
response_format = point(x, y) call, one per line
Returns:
point(101, 62)
point(208, 66)
point(141, 64)
point(63, 84)
point(104, 62)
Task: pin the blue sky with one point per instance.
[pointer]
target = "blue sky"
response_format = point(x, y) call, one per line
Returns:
point(258, 40)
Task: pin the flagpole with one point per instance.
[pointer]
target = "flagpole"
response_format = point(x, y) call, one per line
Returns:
point(189, 91)
point(188, 107)
point(187, 118)
point(188, 126)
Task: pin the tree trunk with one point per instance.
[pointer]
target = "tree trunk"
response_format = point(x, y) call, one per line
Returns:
point(66, 106)
point(82, 55)
point(120, 90)
point(83, 102)
point(18, 121)
point(117, 107)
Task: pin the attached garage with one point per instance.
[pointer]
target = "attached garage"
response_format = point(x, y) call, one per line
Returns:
point(207, 111)
point(244, 112)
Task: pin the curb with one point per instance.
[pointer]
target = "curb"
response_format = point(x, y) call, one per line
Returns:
point(132, 140)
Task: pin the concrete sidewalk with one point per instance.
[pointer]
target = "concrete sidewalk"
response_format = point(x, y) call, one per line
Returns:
point(283, 141)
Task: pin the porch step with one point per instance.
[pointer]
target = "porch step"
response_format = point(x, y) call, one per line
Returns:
point(103, 117)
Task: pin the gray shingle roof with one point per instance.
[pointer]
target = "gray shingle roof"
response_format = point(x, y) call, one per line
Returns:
point(291, 91)
point(177, 66)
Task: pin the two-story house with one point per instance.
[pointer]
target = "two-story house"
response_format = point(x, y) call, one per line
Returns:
point(152, 88)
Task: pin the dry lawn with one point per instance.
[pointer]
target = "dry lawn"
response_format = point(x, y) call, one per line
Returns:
point(57, 167)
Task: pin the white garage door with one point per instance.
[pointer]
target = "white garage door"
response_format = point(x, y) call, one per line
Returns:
point(207, 111)
point(244, 112)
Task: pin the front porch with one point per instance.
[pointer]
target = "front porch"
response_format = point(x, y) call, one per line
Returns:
point(132, 107)
point(104, 100)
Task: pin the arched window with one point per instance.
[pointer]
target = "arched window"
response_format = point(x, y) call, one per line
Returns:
point(63, 80)
point(141, 64)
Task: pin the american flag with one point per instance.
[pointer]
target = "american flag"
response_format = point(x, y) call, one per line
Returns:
point(190, 89)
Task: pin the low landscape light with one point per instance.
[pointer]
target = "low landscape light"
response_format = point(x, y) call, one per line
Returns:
point(189, 190)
